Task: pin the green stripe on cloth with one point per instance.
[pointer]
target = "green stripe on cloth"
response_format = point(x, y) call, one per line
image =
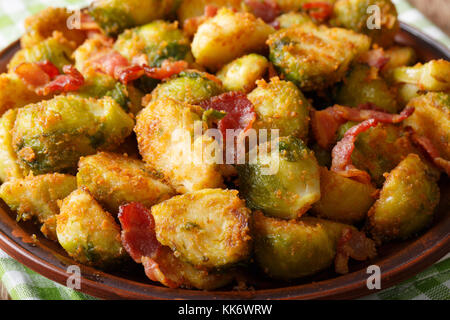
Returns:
point(22, 283)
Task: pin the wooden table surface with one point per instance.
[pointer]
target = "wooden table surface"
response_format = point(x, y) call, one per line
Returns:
point(437, 11)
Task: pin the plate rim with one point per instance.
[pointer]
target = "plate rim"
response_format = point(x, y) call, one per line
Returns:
point(397, 269)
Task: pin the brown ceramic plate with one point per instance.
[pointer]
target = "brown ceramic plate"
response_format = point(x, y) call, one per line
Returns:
point(398, 261)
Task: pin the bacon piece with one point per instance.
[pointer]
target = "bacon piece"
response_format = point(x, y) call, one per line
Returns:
point(139, 240)
point(342, 152)
point(428, 147)
point(72, 80)
point(353, 244)
point(240, 111)
point(111, 63)
point(267, 10)
point(32, 74)
point(325, 124)
point(353, 114)
point(44, 77)
point(210, 11)
point(375, 58)
point(167, 69)
point(320, 11)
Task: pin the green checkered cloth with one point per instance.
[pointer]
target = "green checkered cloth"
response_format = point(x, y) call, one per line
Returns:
point(22, 283)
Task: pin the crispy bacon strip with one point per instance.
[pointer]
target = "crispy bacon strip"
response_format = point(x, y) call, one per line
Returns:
point(44, 77)
point(342, 152)
point(353, 114)
point(325, 123)
point(72, 80)
point(320, 11)
point(375, 58)
point(432, 152)
point(167, 69)
point(353, 244)
point(139, 240)
point(240, 111)
point(117, 66)
point(267, 10)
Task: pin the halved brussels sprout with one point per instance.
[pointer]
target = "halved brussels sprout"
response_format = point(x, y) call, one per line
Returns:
point(36, 197)
point(115, 180)
point(281, 105)
point(165, 135)
point(89, 234)
point(431, 118)
point(357, 15)
point(52, 135)
point(207, 228)
point(241, 74)
point(431, 76)
point(189, 86)
point(360, 86)
point(297, 248)
point(315, 57)
point(284, 184)
point(114, 16)
point(56, 50)
point(291, 19)
point(41, 26)
point(9, 168)
point(227, 36)
point(343, 199)
point(155, 42)
point(406, 202)
point(380, 149)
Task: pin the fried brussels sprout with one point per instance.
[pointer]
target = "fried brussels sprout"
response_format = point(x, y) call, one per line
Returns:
point(355, 15)
point(343, 199)
point(431, 76)
point(51, 136)
point(290, 19)
point(361, 86)
point(315, 57)
point(406, 202)
point(114, 16)
point(36, 197)
point(9, 168)
point(56, 49)
point(189, 86)
point(227, 36)
point(242, 73)
point(89, 234)
point(207, 228)
point(297, 248)
point(196, 8)
point(165, 132)
point(154, 42)
point(41, 26)
point(380, 149)
point(14, 93)
point(290, 187)
point(431, 118)
point(115, 180)
point(281, 105)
